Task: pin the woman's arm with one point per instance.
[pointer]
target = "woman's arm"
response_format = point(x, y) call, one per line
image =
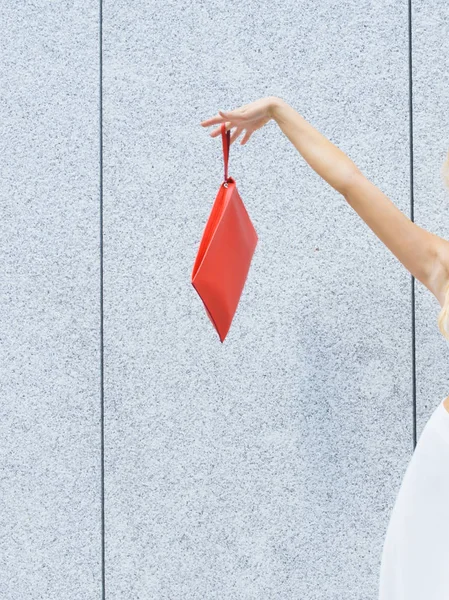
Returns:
point(424, 254)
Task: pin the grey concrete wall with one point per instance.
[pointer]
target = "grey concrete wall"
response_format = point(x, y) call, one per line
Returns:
point(264, 467)
point(431, 199)
point(50, 530)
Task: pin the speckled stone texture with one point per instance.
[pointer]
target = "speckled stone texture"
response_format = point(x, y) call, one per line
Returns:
point(49, 295)
point(430, 148)
point(265, 467)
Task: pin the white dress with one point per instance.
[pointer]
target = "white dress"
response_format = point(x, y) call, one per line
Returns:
point(415, 556)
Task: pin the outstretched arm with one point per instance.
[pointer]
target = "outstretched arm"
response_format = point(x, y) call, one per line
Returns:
point(424, 254)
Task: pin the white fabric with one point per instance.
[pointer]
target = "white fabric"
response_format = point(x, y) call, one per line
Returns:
point(415, 556)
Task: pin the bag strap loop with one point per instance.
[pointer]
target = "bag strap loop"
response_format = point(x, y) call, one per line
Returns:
point(226, 137)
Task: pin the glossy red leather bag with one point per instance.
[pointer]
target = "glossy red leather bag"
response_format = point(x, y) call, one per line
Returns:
point(225, 252)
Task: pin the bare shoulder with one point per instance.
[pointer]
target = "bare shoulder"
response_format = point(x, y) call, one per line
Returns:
point(446, 404)
point(438, 279)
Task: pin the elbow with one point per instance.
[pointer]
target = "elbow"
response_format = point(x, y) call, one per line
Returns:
point(349, 180)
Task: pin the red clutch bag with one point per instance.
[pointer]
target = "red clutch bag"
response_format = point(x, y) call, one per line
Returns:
point(225, 252)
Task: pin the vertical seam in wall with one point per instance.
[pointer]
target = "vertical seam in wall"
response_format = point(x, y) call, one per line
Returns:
point(103, 587)
point(410, 98)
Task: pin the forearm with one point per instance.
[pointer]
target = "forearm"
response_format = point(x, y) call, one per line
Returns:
point(325, 158)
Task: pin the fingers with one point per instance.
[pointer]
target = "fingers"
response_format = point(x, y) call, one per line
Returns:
point(213, 121)
point(235, 134)
point(234, 115)
point(217, 131)
point(223, 115)
point(246, 137)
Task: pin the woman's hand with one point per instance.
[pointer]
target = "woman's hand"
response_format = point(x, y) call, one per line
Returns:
point(251, 117)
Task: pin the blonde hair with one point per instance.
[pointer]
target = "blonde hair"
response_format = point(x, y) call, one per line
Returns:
point(443, 317)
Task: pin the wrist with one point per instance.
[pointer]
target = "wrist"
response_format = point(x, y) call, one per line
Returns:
point(276, 104)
